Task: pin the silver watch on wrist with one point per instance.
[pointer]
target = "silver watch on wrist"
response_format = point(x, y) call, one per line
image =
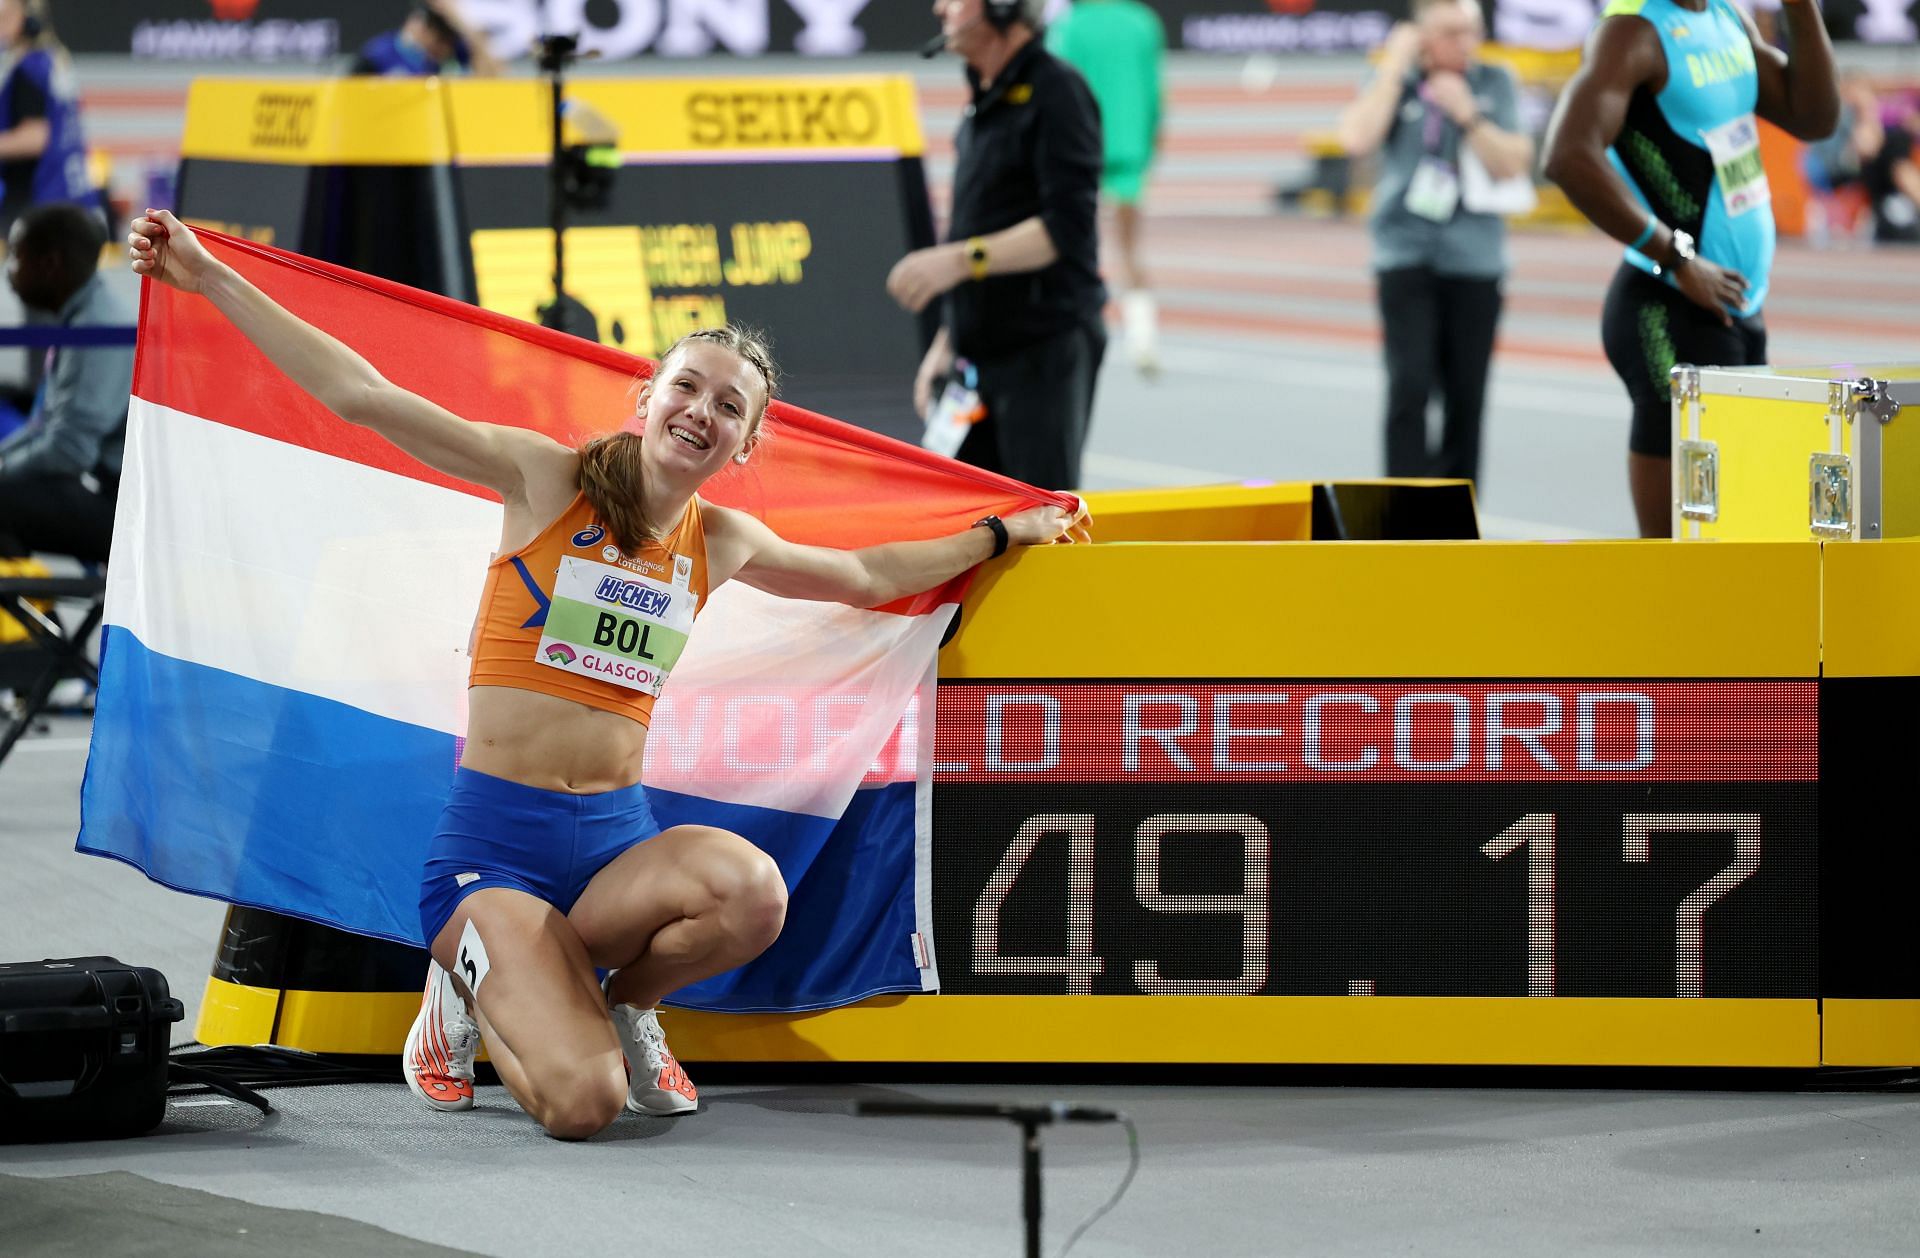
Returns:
point(1682, 250)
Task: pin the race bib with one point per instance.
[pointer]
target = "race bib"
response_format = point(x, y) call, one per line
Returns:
point(1737, 167)
point(618, 626)
point(1433, 191)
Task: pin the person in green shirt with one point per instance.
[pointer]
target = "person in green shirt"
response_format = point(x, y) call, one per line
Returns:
point(1118, 45)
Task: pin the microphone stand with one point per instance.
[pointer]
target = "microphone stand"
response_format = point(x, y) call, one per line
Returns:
point(1030, 1181)
point(1029, 1118)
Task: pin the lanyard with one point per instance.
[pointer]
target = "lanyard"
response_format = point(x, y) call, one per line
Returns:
point(1433, 125)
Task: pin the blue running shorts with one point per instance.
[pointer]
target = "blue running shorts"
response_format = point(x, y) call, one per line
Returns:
point(550, 844)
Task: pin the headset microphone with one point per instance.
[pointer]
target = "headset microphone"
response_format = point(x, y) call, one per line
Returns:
point(938, 44)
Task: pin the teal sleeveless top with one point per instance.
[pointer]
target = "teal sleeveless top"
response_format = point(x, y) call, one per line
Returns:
point(1691, 152)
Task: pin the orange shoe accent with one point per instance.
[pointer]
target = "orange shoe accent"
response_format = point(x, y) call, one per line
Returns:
point(444, 1089)
point(674, 1079)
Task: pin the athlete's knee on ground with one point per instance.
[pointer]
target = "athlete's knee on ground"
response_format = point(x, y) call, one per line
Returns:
point(578, 1104)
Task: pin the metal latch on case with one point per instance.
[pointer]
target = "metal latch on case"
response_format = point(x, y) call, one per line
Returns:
point(1870, 397)
point(1830, 495)
point(1699, 480)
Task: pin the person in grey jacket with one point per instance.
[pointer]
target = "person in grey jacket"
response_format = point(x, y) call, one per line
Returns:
point(60, 472)
point(1434, 108)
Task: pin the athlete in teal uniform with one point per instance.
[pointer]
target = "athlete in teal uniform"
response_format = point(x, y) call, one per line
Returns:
point(1117, 45)
point(1655, 140)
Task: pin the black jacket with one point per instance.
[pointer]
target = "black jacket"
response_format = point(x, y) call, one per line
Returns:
point(1028, 146)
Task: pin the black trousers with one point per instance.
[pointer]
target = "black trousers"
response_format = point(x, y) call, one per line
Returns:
point(56, 515)
point(1439, 336)
point(1039, 403)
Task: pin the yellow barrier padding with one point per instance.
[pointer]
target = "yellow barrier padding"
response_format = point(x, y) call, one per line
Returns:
point(1870, 1032)
point(1395, 609)
point(234, 1013)
point(12, 630)
point(1249, 1030)
point(346, 1022)
point(1871, 604)
point(1204, 513)
point(360, 1023)
point(1261, 1030)
point(324, 122)
point(507, 121)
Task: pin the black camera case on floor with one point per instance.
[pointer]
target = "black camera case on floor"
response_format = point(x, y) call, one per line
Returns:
point(83, 1049)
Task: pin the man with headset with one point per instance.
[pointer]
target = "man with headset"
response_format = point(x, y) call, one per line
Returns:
point(1020, 267)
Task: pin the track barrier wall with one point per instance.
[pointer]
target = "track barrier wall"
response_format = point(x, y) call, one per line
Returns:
point(1381, 802)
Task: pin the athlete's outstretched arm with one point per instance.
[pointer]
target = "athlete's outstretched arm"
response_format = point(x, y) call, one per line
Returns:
point(740, 546)
point(165, 249)
point(1798, 94)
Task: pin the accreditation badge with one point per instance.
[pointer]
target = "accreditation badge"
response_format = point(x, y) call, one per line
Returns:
point(1434, 190)
point(1737, 167)
point(617, 626)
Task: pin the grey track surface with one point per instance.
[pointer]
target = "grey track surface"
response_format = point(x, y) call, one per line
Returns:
point(1224, 1171)
point(118, 1212)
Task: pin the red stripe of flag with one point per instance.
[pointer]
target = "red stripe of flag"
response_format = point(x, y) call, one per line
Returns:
point(814, 480)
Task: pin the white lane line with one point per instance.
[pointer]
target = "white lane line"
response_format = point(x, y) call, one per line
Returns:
point(30, 743)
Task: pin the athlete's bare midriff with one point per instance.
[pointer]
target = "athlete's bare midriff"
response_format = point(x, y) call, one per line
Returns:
point(551, 743)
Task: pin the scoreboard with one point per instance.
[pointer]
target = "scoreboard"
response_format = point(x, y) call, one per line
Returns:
point(1521, 838)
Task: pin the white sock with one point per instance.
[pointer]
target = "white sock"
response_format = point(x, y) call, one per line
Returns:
point(1139, 316)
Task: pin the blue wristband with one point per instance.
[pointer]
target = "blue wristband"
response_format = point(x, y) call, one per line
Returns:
point(1646, 235)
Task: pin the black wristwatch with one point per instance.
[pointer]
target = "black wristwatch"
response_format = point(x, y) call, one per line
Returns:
point(1682, 251)
point(999, 533)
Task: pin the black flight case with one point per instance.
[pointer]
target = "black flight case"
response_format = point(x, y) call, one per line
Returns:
point(83, 1049)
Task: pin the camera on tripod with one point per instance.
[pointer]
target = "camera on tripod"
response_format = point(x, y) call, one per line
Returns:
point(586, 153)
point(586, 175)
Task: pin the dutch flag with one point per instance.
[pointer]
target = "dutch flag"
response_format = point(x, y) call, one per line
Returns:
point(284, 677)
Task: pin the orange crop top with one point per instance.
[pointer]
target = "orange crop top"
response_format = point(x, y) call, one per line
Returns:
point(569, 615)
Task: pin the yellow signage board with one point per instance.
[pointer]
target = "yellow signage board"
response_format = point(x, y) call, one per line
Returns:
point(510, 120)
point(399, 122)
point(326, 122)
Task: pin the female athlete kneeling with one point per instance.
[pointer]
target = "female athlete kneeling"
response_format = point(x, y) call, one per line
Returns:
point(547, 862)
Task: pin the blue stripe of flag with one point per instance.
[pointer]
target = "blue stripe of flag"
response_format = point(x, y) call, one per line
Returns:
point(258, 795)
